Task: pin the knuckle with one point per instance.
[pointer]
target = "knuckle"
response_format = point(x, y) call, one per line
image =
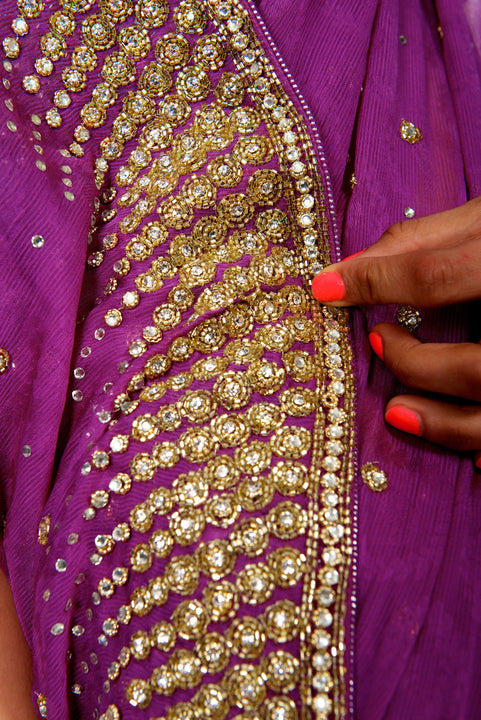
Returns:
point(476, 226)
point(404, 366)
point(433, 275)
point(455, 438)
point(392, 234)
point(473, 379)
point(402, 232)
point(460, 437)
point(368, 283)
point(457, 428)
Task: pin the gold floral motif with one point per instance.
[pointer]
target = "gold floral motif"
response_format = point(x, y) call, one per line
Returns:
point(255, 493)
point(118, 9)
point(193, 84)
point(156, 80)
point(53, 47)
point(247, 637)
point(135, 41)
point(139, 694)
point(32, 8)
point(255, 150)
point(191, 489)
point(183, 249)
point(222, 510)
point(246, 686)
point(282, 670)
point(265, 376)
point(161, 543)
point(230, 90)
point(151, 13)
point(230, 429)
point(141, 558)
point(225, 171)
point(409, 132)
point(221, 472)
point(117, 69)
point(62, 22)
point(190, 17)
point(187, 525)
point(374, 477)
point(281, 621)
point(98, 32)
point(142, 467)
point(287, 565)
point(163, 636)
point(199, 192)
point(268, 306)
point(216, 558)
point(221, 600)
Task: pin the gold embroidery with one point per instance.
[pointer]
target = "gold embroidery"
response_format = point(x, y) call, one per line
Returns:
point(4, 360)
point(269, 416)
point(374, 477)
point(410, 132)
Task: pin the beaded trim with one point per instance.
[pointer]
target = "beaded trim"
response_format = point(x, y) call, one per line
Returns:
point(245, 102)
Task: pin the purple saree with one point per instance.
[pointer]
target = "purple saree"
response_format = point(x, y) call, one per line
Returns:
point(205, 514)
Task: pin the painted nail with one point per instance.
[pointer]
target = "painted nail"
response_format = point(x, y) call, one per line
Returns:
point(477, 460)
point(349, 257)
point(403, 419)
point(376, 343)
point(328, 287)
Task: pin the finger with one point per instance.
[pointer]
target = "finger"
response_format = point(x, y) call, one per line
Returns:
point(424, 278)
point(454, 426)
point(441, 230)
point(445, 368)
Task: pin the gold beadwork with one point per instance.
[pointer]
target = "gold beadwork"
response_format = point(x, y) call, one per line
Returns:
point(5, 360)
point(374, 477)
point(258, 449)
point(410, 132)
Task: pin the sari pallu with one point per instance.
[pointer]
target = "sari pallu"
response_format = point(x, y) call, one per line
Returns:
point(180, 415)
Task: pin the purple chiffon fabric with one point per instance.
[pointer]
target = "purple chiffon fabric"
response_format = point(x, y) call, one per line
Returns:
point(417, 627)
point(414, 636)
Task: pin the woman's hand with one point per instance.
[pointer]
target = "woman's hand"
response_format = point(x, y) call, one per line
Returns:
point(430, 262)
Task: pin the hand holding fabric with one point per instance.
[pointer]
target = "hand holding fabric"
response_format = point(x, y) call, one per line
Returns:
point(430, 262)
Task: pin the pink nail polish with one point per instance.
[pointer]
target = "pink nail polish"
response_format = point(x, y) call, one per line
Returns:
point(403, 419)
point(349, 257)
point(376, 343)
point(328, 287)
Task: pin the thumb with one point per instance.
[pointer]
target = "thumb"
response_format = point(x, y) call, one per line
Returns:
point(424, 278)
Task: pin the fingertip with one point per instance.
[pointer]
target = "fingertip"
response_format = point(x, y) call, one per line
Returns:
point(477, 460)
point(376, 343)
point(328, 286)
point(404, 419)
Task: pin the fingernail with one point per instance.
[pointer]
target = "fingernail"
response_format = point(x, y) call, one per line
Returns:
point(328, 286)
point(477, 460)
point(376, 343)
point(403, 419)
point(349, 257)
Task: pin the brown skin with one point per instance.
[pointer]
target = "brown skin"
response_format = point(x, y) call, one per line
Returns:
point(430, 262)
point(15, 662)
